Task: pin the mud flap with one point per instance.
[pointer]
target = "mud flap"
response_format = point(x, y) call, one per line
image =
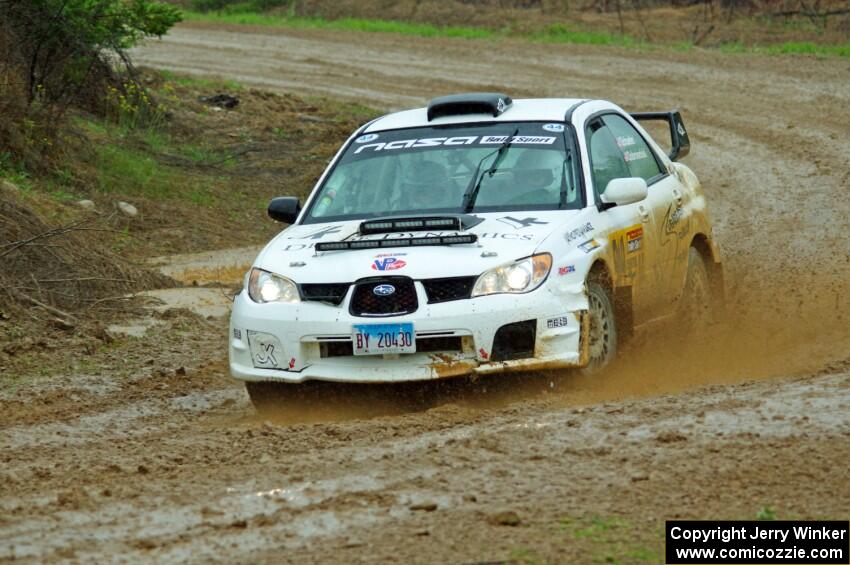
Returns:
point(584, 340)
point(623, 313)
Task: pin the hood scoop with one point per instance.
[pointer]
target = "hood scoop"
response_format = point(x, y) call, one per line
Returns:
point(419, 223)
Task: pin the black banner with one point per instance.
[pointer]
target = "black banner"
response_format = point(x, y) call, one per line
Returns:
point(694, 542)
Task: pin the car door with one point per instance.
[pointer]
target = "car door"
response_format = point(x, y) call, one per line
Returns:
point(666, 204)
point(632, 228)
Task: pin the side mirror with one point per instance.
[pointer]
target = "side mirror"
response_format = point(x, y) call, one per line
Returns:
point(620, 192)
point(285, 209)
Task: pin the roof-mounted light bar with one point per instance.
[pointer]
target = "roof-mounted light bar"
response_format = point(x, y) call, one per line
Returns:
point(397, 242)
point(471, 103)
point(410, 224)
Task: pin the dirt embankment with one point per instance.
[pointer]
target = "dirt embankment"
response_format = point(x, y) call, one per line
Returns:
point(146, 450)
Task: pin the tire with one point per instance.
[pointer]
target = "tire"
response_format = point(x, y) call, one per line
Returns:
point(266, 396)
point(602, 333)
point(696, 312)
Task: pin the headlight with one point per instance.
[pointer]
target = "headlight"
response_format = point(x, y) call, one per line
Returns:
point(264, 286)
point(521, 276)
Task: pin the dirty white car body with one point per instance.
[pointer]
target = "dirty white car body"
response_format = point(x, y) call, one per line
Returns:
point(439, 315)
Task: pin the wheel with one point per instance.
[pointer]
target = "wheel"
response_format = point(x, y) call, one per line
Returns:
point(602, 333)
point(695, 307)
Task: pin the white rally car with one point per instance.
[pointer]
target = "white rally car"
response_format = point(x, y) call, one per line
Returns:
point(477, 235)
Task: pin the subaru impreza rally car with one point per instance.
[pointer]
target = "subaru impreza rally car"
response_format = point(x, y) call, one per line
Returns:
point(478, 235)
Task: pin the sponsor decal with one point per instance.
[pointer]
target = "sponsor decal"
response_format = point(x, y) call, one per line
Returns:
point(292, 363)
point(265, 350)
point(483, 353)
point(634, 239)
point(559, 322)
point(673, 218)
point(554, 127)
point(366, 138)
point(320, 233)
point(407, 235)
point(580, 231)
point(625, 141)
point(500, 106)
point(507, 236)
point(237, 334)
point(518, 140)
point(628, 252)
point(673, 224)
point(383, 290)
point(298, 246)
point(400, 235)
point(388, 264)
point(266, 355)
point(517, 223)
point(589, 245)
point(451, 141)
point(630, 156)
point(566, 270)
point(681, 129)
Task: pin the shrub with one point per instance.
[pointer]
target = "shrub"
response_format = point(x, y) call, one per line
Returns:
point(55, 53)
point(62, 42)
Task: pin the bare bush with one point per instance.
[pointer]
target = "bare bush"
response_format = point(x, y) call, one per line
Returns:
point(62, 268)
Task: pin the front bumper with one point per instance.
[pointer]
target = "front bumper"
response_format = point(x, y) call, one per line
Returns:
point(301, 334)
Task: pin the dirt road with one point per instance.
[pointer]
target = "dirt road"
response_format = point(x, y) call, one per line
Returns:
point(146, 450)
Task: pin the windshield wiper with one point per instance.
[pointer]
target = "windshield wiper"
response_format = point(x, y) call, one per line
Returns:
point(475, 182)
point(567, 163)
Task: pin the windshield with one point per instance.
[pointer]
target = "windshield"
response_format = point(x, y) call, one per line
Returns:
point(437, 170)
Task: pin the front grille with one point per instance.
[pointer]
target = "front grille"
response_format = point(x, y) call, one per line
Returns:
point(402, 300)
point(444, 290)
point(332, 293)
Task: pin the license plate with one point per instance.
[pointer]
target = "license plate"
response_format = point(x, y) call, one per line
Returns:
point(377, 339)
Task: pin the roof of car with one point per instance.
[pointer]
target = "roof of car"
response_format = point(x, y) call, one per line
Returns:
point(528, 109)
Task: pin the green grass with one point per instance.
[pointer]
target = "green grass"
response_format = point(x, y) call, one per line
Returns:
point(559, 33)
point(127, 171)
point(766, 514)
point(234, 16)
point(612, 539)
point(790, 48)
point(14, 172)
point(130, 163)
point(556, 33)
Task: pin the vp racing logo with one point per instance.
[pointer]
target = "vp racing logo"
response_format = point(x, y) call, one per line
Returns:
point(388, 264)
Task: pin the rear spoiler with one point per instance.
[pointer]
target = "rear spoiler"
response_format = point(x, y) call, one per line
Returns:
point(680, 142)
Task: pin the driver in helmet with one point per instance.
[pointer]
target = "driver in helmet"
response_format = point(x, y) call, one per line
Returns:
point(427, 184)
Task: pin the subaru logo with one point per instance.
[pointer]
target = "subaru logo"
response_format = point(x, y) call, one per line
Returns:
point(383, 290)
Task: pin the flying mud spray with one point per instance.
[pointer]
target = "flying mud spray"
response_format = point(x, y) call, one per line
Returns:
point(776, 323)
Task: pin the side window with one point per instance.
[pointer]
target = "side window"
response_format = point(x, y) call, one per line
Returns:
point(636, 153)
point(606, 159)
